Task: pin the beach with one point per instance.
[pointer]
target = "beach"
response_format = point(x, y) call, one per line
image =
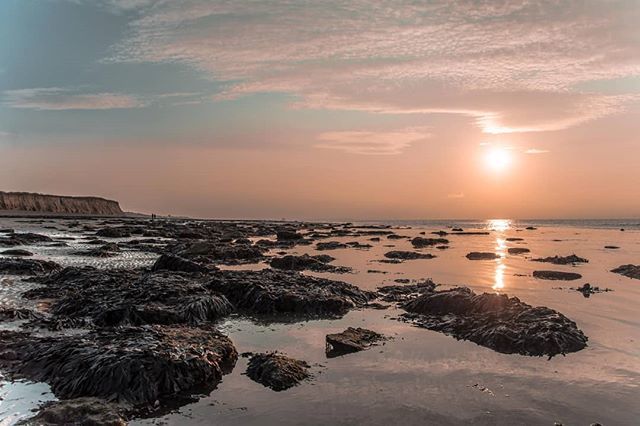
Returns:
point(416, 375)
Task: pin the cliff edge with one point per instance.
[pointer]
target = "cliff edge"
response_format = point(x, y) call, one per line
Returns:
point(43, 203)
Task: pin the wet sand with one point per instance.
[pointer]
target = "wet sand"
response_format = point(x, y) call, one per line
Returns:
point(419, 376)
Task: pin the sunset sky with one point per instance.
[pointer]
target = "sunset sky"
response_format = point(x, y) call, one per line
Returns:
point(325, 109)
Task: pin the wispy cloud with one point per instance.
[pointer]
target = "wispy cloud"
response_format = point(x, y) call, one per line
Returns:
point(371, 143)
point(536, 151)
point(513, 66)
point(58, 99)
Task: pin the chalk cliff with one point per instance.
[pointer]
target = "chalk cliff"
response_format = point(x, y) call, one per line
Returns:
point(42, 203)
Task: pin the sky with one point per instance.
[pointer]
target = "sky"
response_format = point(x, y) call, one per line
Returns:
point(325, 109)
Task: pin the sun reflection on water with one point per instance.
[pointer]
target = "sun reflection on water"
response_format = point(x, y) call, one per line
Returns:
point(501, 248)
point(498, 224)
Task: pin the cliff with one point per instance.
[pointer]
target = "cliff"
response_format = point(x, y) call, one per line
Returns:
point(56, 204)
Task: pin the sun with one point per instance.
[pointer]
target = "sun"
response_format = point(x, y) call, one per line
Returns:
point(497, 159)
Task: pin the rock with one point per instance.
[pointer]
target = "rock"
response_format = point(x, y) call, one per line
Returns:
point(213, 251)
point(502, 323)
point(277, 371)
point(132, 365)
point(17, 266)
point(514, 239)
point(274, 292)
point(631, 271)
point(170, 262)
point(457, 230)
point(556, 275)
point(562, 260)
point(397, 237)
point(407, 255)
point(421, 242)
point(23, 239)
point(306, 262)
point(32, 202)
point(124, 297)
point(587, 290)
point(16, 252)
point(518, 250)
point(401, 293)
point(531, 228)
point(78, 411)
point(358, 245)
point(477, 255)
point(351, 340)
point(330, 245)
point(612, 247)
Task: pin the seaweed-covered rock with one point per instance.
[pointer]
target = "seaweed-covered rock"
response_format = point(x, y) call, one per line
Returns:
point(274, 292)
point(277, 371)
point(351, 340)
point(556, 275)
point(171, 262)
point(407, 255)
point(16, 252)
point(401, 293)
point(19, 266)
point(421, 242)
point(330, 245)
point(78, 411)
point(23, 239)
point(631, 271)
point(502, 323)
point(132, 365)
point(286, 235)
point(562, 260)
point(216, 251)
point(121, 297)
point(518, 250)
point(318, 263)
point(477, 255)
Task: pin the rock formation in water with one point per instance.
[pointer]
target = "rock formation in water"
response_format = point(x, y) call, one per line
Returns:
point(48, 204)
point(277, 371)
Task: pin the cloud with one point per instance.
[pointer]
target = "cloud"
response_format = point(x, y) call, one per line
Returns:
point(371, 143)
point(59, 99)
point(536, 151)
point(511, 66)
point(455, 195)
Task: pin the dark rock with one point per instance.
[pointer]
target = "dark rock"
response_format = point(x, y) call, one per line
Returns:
point(477, 255)
point(562, 260)
point(351, 340)
point(285, 235)
point(358, 245)
point(515, 239)
point(330, 245)
point(407, 255)
point(306, 262)
point(556, 275)
point(612, 247)
point(210, 251)
point(16, 252)
point(457, 230)
point(135, 366)
point(17, 266)
point(374, 239)
point(78, 411)
point(631, 271)
point(277, 371)
point(23, 239)
point(531, 228)
point(587, 290)
point(518, 250)
point(420, 242)
point(170, 262)
point(502, 323)
point(119, 232)
point(274, 292)
point(397, 237)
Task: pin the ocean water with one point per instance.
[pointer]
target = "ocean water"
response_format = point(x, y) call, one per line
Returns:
point(421, 376)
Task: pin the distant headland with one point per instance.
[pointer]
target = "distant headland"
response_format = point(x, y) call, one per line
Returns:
point(17, 203)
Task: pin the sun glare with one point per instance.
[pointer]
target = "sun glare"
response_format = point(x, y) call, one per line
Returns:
point(498, 159)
